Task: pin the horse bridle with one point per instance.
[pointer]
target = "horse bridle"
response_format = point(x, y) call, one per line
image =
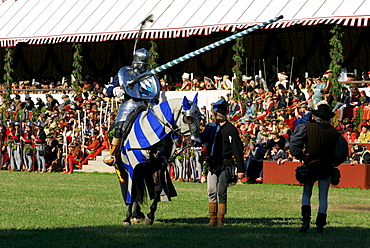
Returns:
point(167, 124)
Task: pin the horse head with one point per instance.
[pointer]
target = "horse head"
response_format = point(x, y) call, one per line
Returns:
point(191, 116)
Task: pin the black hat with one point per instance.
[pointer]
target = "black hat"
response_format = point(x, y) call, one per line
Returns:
point(324, 112)
point(28, 98)
point(220, 107)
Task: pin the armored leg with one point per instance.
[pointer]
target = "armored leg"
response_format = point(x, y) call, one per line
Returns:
point(115, 145)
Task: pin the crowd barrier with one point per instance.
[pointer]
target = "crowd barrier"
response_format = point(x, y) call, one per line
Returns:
point(352, 176)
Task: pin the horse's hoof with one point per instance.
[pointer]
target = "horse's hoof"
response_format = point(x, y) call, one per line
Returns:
point(148, 221)
point(127, 223)
point(136, 220)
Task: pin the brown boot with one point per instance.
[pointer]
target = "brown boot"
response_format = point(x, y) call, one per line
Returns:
point(221, 215)
point(111, 159)
point(212, 214)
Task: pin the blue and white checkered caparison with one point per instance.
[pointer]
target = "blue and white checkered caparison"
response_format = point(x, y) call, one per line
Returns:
point(211, 46)
point(146, 131)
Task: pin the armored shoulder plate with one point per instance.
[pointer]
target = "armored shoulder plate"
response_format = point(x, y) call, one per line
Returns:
point(147, 89)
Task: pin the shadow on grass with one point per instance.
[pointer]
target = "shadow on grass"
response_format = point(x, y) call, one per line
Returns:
point(192, 232)
point(237, 221)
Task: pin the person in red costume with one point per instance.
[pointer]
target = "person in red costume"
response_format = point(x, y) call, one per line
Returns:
point(27, 147)
point(93, 150)
point(74, 156)
point(349, 135)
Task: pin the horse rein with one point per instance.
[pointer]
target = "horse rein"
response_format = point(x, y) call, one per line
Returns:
point(167, 124)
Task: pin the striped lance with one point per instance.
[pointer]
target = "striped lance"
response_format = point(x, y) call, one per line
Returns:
point(202, 50)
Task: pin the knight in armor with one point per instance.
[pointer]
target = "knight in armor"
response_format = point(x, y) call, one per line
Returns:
point(133, 95)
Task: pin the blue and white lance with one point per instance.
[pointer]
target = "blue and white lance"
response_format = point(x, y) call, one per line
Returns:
point(202, 50)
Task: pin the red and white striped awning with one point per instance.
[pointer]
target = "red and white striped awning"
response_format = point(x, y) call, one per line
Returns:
point(53, 21)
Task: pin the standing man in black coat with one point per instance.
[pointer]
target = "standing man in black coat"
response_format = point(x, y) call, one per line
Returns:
point(322, 148)
point(225, 148)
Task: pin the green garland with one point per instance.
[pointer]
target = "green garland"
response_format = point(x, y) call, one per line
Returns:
point(239, 52)
point(8, 62)
point(154, 54)
point(35, 114)
point(337, 58)
point(19, 116)
point(3, 112)
point(359, 117)
point(77, 61)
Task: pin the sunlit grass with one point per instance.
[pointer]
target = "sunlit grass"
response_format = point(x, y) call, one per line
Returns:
point(86, 210)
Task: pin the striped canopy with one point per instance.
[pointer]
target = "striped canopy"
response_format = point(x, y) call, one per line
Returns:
point(54, 21)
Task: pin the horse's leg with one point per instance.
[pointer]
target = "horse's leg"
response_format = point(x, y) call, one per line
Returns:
point(149, 218)
point(127, 221)
point(137, 215)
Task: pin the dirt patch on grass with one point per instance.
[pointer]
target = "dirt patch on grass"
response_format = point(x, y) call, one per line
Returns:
point(365, 208)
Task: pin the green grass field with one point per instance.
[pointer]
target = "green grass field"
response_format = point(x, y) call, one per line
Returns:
point(86, 210)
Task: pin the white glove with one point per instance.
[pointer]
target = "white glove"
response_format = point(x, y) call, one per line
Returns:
point(118, 92)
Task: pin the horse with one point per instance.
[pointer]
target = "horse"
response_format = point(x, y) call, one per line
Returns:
point(142, 165)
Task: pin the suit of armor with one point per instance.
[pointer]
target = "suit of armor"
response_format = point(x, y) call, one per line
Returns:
point(133, 95)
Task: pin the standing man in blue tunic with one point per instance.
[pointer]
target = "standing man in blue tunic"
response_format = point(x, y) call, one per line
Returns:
point(225, 149)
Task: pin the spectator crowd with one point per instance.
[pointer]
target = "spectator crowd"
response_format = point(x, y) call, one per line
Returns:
point(61, 136)
point(52, 135)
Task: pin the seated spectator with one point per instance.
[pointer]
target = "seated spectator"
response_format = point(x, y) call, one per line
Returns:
point(278, 142)
point(359, 155)
point(304, 116)
point(254, 163)
point(276, 104)
point(209, 85)
point(288, 157)
point(364, 136)
point(233, 108)
point(92, 149)
point(51, 102)
point(364, 99)
point(186, 84)
point(278, 153)
point(349, 135)
point(284, 130)
point(73, 157)
point(249, 108)
point(226, 83)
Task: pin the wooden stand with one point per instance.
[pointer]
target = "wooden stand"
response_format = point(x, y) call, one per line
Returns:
point(352, 176)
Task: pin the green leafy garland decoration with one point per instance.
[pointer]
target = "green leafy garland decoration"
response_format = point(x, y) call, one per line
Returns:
point(337, 58)
point(359, 117)
point(237, 57)
point(77, 61)
point(35, 114)
point(8, 59)
point(154, 54)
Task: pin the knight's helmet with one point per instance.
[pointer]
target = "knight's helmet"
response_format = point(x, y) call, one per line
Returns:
point(141, 58)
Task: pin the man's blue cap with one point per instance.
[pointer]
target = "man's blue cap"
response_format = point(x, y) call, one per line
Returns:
point(220, 107)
